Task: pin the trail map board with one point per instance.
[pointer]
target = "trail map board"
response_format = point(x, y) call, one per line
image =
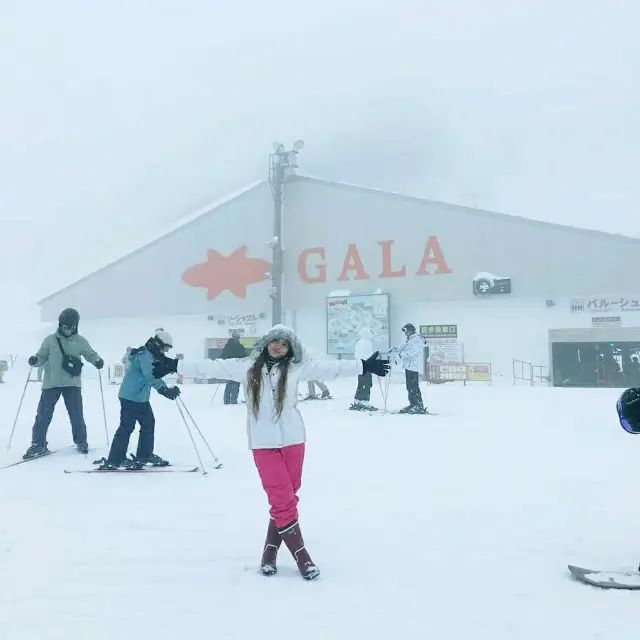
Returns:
point(346, 315)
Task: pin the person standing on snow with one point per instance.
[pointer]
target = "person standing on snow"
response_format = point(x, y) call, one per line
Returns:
point(134, 394)
point(363, 350)
point(60, 354)
point(412, 356)
point(275, 427)
point(233, 349)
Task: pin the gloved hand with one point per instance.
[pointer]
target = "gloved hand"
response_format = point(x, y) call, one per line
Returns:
point(99, 363)
point(164, 366)
point(377, 367)
point(169, 392)
point(33, 361)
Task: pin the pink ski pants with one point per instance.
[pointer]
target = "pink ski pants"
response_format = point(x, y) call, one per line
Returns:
point(281, 475)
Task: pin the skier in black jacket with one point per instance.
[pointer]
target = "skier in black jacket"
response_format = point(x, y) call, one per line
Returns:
point(233, 349)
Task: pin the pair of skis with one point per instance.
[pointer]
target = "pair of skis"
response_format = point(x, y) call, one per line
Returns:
point(142, 468)
point(145, 469)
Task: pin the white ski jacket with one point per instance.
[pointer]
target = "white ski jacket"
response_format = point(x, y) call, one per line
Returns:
point(412, 353)
point(363, 348)
point(267, 431)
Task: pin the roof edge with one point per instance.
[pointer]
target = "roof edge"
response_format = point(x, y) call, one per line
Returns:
point(179, 224)
point(486, 212)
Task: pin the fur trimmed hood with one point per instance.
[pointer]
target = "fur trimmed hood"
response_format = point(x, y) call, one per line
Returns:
point(282, 332)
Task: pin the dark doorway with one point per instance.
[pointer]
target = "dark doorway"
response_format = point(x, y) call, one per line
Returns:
point(596, 364)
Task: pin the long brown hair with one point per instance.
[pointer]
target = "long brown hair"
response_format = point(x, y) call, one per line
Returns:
point(255, 382)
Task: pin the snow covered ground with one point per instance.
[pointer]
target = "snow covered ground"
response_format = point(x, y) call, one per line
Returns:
point(450, 527)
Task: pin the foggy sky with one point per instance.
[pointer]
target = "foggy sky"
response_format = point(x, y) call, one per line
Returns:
point(119, 117)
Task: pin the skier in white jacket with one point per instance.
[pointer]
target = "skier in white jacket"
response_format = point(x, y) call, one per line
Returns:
point(363, 350)
point(412, 355)
point(275, 427)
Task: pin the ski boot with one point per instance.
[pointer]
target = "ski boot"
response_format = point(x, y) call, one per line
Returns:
point(152, 461)
point(271, 545)
point(413, 408)
point(362, 406)
point(126, 464)
point(293, 539)
point(325, 395)
point(82, 447)
point(310, 396)
point(35, 450)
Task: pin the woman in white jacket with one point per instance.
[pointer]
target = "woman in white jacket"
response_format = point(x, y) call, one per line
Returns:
point(275, 427)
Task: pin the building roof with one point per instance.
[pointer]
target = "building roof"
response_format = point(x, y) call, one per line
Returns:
point(210, 208)
point(167, 231)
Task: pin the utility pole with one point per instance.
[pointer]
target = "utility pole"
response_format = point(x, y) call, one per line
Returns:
point(281, 166)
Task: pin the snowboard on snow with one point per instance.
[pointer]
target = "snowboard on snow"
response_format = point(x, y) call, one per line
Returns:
point(607, 579)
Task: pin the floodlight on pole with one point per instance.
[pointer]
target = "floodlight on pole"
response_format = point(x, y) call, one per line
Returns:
point(282, 164)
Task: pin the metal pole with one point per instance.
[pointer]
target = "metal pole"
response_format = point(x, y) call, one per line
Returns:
point(276, 309)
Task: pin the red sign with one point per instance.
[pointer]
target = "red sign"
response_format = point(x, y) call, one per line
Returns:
point(312, 267)
point(232, 273)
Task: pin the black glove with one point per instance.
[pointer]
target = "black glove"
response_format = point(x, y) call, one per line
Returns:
point(99, 363)
point(164, 366)
point(375, 366)
point(33, 361)
point(169, 392)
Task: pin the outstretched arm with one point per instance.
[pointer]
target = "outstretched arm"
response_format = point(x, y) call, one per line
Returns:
point(231, 369)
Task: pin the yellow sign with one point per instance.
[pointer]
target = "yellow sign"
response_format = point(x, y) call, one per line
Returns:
point(478, 372)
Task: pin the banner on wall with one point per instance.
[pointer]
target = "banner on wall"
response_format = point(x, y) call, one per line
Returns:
point(604, 304)
point(606, 321)
point(439, 330)
point(443, 343)
point(346, 315)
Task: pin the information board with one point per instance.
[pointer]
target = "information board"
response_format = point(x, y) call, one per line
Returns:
point(346, 315)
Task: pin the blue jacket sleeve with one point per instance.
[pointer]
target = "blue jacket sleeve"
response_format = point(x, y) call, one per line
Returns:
point(146, 367)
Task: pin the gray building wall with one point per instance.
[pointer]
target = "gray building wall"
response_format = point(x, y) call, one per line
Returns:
point(542, 260)
point(149, 281)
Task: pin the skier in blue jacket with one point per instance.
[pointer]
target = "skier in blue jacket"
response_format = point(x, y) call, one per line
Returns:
point(135, 391)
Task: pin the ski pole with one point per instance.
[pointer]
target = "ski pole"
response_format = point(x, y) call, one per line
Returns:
point(215, 393)
point(384, 392)
point(104, 412)
point(193, 442)
point(26, 384)
point(213, 455)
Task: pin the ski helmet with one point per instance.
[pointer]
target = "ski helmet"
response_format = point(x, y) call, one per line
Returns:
point(409, 327)
point(164, 337)
point(159, 343)
point(68, 321)
point(628, 407)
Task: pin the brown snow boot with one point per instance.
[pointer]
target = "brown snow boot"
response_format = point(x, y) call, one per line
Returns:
point(271, 546)
point(293, 539)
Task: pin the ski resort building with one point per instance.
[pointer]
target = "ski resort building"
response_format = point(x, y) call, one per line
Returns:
point(483, 287)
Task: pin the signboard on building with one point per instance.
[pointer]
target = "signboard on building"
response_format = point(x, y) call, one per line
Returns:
point(614, 304)
point(237, 319)
point(346, 315)
point(439, 330)
point(606, 321)
point(442, 340)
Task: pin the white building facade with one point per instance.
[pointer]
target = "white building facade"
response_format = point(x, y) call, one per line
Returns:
point(511, 287)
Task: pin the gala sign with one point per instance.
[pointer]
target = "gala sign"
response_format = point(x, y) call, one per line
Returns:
point(313, 268)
